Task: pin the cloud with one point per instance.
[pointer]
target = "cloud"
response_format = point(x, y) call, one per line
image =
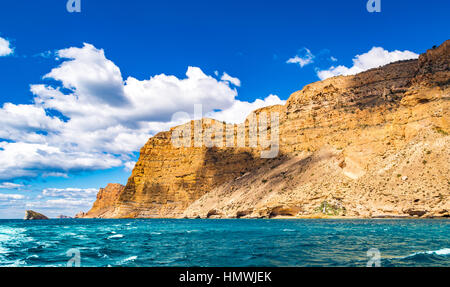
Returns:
point(129, 165)
point(70, 192)
point(51, 202)
point(5, 48)
point(376, 57)
point(55, 174)
point(305, 59)
point(61, 205)
point(228, 78)
point(22, 159)
point(10, 185)
point(90, 75)
point(90, 118)
point(11, 196)
point(55, 201)
point(240, 110)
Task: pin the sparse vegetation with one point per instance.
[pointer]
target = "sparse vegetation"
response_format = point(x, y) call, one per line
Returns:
point(331, 210)
point(441, 131)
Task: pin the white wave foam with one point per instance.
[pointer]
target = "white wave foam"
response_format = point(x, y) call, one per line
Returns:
point(132, 258)
point(11, 236)
point(116, 236)
point(441, 252)
point(11, 230)
point(4, 250)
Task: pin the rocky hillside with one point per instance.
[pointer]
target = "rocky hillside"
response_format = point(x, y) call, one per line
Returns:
point(106, 197)
point(371, 145)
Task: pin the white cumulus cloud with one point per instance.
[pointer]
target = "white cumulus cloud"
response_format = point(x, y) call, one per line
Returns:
point(227, 78)
point(5, 47)
point(240, 109)
point(374, 58)
point(91, 118)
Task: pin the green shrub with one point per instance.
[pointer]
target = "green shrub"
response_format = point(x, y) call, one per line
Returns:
point(328, 209)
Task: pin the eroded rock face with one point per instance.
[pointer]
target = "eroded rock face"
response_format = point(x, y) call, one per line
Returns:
point(106, 197)
point(348, 141)
point(33, 215)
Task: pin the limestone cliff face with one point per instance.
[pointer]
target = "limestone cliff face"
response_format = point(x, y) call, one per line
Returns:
point(371, 145)
point(106, 197)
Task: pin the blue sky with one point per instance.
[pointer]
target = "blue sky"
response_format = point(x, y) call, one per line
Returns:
point(117, 71)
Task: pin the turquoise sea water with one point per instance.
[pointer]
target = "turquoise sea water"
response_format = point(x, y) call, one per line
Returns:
point(161, 242)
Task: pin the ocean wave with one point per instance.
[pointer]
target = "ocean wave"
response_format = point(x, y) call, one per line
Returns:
point(4, 250)
point(11, 234)
point(440, 252)
point(11, 230)
point(116, 236)
point(290, 243)
point(11, 237)
point(129, 259)
point(16, 263)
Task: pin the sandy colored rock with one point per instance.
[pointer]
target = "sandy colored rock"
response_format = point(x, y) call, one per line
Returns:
point(106, 197)
point(375, 144)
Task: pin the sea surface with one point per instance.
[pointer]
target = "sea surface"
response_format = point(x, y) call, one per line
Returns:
point(231, 243)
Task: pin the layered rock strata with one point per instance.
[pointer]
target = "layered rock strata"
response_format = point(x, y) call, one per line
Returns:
point(375, 144)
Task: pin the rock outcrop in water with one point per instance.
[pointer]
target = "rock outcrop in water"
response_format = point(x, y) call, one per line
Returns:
point(371, 145)
point(33, 215)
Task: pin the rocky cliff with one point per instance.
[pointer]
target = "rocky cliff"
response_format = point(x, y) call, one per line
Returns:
point(106, 198)
point(371, 145)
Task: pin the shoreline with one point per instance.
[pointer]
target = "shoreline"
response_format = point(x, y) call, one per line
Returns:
point(275, 218)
